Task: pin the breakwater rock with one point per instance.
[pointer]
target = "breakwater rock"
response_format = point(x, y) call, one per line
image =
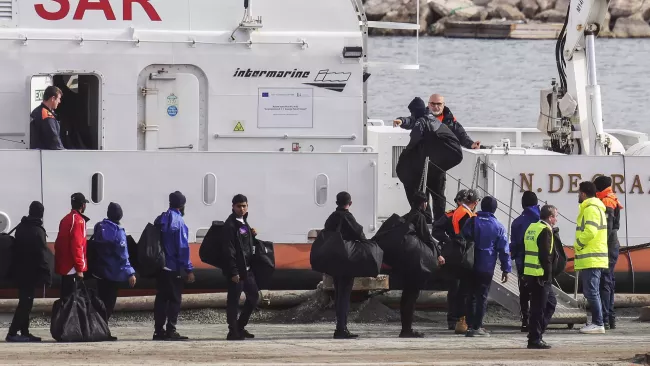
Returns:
point(625, 18)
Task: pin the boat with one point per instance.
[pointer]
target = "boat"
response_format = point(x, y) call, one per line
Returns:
point(265, 98)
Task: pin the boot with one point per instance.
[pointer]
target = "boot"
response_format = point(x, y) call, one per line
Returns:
point(612, 322)
point(461, 326)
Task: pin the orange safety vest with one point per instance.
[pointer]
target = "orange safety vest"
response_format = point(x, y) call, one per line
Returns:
point(460, 212)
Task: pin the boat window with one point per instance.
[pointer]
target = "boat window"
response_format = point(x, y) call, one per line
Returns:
point(321, 185)
point(97, 188)
point(209, 189)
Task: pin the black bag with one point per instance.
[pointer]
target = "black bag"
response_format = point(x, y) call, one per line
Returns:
point(212, 248)
point(132, 249)
point(407, 254)
point(80, 317)
point(263, 263)
point(6, 254)
point(334, 256)
point(559, 264)
point(459, 251)
point(151, 256)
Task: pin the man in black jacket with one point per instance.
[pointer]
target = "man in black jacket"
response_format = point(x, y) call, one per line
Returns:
point(344, 222)
point(44, 129)
point(429, 137)
point(444, 115)
point(30, 268)
point(411, 287)
point(240, 248)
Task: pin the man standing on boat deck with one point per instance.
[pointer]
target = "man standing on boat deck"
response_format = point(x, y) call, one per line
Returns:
point(44, 129)
point(613, 209)
point(70, 246)
point(444, 115)
point(590, 248)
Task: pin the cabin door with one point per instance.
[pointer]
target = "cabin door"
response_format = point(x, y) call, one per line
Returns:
point(172, 115)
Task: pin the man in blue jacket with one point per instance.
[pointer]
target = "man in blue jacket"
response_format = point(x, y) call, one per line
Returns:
point(529, 215)
point(169, 284)
point(489, 238)
point(109, 258)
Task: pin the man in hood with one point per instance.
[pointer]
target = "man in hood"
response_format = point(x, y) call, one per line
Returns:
point(613, 209)
point(30, 268)
point(529, 215)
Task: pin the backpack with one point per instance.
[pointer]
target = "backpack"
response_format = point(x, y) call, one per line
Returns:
point(6, 253)
point(212, 247)
point(150, 253)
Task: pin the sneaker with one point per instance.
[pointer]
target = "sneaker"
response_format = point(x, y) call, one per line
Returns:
point(16, 338)
point(174, 336)
point(538, 345)
point(344, 334)
point(235, 336)
point(593, 329)
point(461, 326)
point(160, 336)
point(606, 325)
point(470, 333)
point(32, 338)
point(112, 338)
point(246, 334)
point(410, 334)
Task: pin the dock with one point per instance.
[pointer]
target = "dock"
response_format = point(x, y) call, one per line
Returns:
point(501, 30)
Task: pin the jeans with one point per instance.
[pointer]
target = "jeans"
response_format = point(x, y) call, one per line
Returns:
point(478, 289)
point(169, 290)
point(342, 292)
point(542, 307)
point(607, 287)
point(249, 287)
point(591, 291)
point(20, 321)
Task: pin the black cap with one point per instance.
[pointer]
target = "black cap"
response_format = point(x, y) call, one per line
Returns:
point(602, 182)
point(417, 107)
point(36, 210)
point(77, 200)
point(489, 204)
point(176, 200)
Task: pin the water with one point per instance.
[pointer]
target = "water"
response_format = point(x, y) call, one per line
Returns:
point(497, 82)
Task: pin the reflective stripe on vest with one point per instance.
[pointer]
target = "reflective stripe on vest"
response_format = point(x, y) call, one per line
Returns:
point(460, 212)
point(532, 266)
point(592, 254)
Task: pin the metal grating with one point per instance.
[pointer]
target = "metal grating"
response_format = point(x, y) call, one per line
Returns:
point(6, 10)
point(397, 151)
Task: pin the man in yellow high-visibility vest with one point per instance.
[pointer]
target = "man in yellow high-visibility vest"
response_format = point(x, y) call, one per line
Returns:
point(539, 259)
point(591, 256)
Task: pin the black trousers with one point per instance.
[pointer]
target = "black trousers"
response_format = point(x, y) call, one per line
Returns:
point(107, 292)
point(249, 287)
point(542, 307)
point(20, 321)
point(524, 297)
point(436, 181)
point(478, 289)
point(169, 290)
point(407, 306)
point(342, 292)
point(458, 283)
point(68, 285)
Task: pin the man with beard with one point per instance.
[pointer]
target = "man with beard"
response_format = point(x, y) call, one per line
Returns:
point(444, 115)
point(429, 137)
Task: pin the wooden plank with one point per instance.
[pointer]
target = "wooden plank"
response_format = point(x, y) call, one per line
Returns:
point(501, 30)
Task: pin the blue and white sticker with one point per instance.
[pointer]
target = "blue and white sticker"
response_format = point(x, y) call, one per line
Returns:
point(172, 110)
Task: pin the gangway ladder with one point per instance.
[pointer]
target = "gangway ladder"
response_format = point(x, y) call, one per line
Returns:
point(567, 311)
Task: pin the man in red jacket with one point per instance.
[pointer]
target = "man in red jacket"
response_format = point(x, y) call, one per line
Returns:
point(70, 246)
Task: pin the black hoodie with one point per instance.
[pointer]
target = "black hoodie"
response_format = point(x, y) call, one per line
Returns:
point(32, 259)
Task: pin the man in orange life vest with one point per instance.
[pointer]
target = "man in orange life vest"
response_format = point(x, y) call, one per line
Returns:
point(613, 209)
point(44, 129)
point(444, 115)
point(445, 230)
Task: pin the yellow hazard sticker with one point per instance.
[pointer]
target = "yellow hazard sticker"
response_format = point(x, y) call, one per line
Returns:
point(239, 127)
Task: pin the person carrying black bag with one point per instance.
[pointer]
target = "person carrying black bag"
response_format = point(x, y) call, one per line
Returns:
point(239, 250)
point(342, 220)
point(30, 268)
point(411, 287)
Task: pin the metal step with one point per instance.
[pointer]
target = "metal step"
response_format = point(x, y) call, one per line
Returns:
point(567, 310)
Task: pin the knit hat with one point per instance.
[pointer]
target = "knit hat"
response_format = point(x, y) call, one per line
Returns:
point(36, 210)
point(176, 200)
point(528, 199)
point(417, 107)
point(489, 204)
point(602, 182)
point(114, 212)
